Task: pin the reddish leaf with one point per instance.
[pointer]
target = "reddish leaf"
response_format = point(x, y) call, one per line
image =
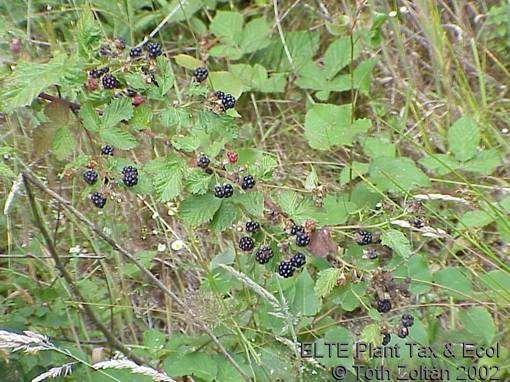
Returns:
point(321, 243)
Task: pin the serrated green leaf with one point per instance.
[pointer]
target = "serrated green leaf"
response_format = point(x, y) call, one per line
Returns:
point(329, 125)
point(338, 56)
point(371, 334)
point(397, 241)
point(463, 138)
point(476, 218)
point(440, 164)
point(304, 301)
point(397, 175)
point(175, 117)
point(88, 33)
point(255, 35)
point(119, 109)
point(197, 181)
point(326, 281)
point(454, 282)
point(379, 146)
point(168, 176)
point(118, 137)
point(252, 202)
point(485, 162)
point(294, 205)
point(142, 117)
point(187, 61)
point(63, 142)
point(225, 217)
point(30, 79)
point(335, 210)
point(227, 83)
point(477, 321)
point(418, 271)
point(90, 118)
point(197, 210)
point(227, 25)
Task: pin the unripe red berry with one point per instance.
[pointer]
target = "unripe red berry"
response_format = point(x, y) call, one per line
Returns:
point(137, 100)
point(232, 156)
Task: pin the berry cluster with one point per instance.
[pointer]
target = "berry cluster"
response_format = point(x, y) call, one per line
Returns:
point(383, 305)
point(110, 82)
point(263, 254)
point(252, 226)
point(98, 199)
point(90, 176)
point(407, 320)
point(363, 237)
point(246, 243)
point(203, 161)
point(107, 150)
point(97, 73)
point(248, 182)
point(223, 190)
point(153, 49)
point(286, 268)
point(302, 239)
point(200, 74)
point(228, 101)
point(130, 176)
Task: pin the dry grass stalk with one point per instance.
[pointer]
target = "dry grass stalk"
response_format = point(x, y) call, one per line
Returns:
point(134, 368)
point(55, 372)
point(29, 342)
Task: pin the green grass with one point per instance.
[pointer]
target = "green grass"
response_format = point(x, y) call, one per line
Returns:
point(346, 116)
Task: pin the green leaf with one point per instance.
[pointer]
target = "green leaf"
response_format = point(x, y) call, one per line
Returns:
point(294, 205)
point(255, 35)
point(90, 118)
point(305, 302)
point(358, 169)
point(417, 269)
point(88, 33)
point(329, 125)
point(198, 365)
point(225, 217)
point(227, 83)
point(397, 175)
point(119, 138)
point(30, 79)
point(454, 282)
point(484, 163)
point(397, 241)
point(371, 334)
point(119, 109)
point(476, 218)
point(197, 210)
point(142, 117)
point(187, 61)
point(326, 281)
point(463, 138)
point(154, 339)
point(175, 117)
point(379, 146)
point(252, 202)
point(348, 296)
point(335, 210)
point(338, 56)
point(478, 322)
point(227, 25)
point(197, 181)
point(63, 143)
point(164, 78)
point(440, 164)
point(168, 180)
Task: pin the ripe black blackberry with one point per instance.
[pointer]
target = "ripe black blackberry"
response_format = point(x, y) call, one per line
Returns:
point(263, 254)
point(384, 305)
point(246, 243)
point(97, 199)
point(97, 73)
point(386, 339)
point(295, 229)
point(248, 182)
point(418, 222)
point(200, 74)
point(252, 226)
point(154, 49)
point(302, 239)
point(107, 150)
point(135, 52)
point(285, 269)
point(403, 332)
point(219, 94)
point(298, 260)
point(110, 82)
point(228, 101)
point(229, 190)
point(363, 237)
point(90, 176)
point(219, 191)
point(203, 161)
point(407, 320)
point(130, 176)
